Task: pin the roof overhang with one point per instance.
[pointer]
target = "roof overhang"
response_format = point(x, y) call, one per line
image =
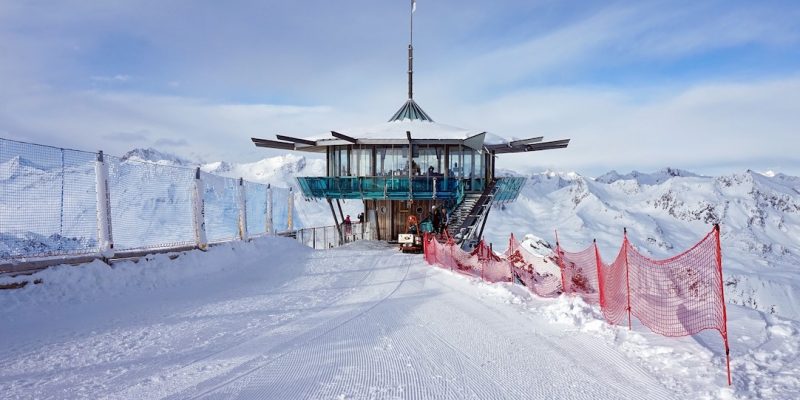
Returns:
point(475, 141)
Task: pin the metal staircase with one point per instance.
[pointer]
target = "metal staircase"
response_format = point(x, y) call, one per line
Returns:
point(466, 220)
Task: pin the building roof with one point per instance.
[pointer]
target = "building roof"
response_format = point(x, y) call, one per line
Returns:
point(410, 111)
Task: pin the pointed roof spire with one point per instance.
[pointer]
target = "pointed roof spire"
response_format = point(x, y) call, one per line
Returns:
point(410, 109)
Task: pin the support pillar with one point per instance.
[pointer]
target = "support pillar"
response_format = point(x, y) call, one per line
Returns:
point(104, 234)
point(270, 226)
point(201, 240)
point(289, 223)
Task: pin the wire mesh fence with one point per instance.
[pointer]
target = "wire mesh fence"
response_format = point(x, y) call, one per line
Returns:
point(151, 204)
point(49, 205)
point(256, 206)
point(221, 210)
point(47, 201)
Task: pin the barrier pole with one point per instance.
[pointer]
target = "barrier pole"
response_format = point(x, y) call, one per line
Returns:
point(290, 207)
point(600, 279)
point(722, 295)
point(560, 262)
point(199, 212)
point(627, 275)
point(104, 236)
point(242, 206)
point(269, 226)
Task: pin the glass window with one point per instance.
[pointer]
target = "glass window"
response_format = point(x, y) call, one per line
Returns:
point(343, 163)
point(392, 161)
point(361, 161)
point(456, 156)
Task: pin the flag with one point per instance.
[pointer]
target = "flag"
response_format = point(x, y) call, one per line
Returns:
point(413, 6)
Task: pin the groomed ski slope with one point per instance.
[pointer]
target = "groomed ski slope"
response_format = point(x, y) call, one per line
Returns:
point(273, 319)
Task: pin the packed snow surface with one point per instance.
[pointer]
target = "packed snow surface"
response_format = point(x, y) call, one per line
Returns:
point(273, 319)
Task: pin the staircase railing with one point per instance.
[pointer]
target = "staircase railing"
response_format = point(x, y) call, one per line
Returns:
point(476, 219)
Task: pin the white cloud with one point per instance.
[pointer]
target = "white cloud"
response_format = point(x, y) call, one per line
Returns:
point(111, 79)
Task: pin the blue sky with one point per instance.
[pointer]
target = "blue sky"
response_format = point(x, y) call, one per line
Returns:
point(710, 86)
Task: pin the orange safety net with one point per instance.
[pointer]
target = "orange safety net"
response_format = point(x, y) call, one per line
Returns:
point(679, 296)
point(532, 271)
point(579, 273)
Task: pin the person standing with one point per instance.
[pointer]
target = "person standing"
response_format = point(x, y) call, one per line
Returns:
point(436, 219)
point(348, 226)
point(443, 220)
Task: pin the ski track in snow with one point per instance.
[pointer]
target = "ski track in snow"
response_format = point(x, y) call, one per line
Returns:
point(356, 322)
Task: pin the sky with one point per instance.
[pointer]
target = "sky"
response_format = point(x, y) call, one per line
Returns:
point(712, 86)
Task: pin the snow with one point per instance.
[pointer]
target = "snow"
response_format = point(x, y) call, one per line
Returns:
point(419, 130)
point(667, 212)
point(272, 319)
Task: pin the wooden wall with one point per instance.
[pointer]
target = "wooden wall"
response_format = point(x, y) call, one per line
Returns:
point(392, 215)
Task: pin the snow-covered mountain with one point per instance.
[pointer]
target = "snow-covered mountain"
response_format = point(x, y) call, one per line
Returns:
point(666, 213)
point(152, 155)
point(17, 166)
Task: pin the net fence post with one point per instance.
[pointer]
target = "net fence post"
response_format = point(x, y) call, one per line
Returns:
point(600, 284)
point(289, 222)
point(560, 262)
point(627, 275)
point(268, 209)
point(722, 298)
point(242, 206)
point(199, 212)
point(104, 233)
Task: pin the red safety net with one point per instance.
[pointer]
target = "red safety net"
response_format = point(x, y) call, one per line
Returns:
point(679, 296)
point(536, 273)
point(579, 273)
point(481, 262)
point(614, 288)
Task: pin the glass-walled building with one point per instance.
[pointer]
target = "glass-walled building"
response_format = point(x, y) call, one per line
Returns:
point(405, 167)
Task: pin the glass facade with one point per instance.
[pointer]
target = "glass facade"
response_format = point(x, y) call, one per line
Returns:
point(438, 161)
point(391, 160)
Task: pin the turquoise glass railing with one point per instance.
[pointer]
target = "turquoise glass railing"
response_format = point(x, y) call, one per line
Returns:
point(381, 187)
point(507, 189)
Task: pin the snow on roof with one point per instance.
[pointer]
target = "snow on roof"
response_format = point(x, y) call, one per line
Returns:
point(419, 130)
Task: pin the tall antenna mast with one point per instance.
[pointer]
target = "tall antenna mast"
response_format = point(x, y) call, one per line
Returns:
point(411, 52)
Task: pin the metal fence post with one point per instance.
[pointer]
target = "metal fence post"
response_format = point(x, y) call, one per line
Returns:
point(269, 209)
point(104, 238)
point(199, 212)
point(242, 205)
point(290, 207)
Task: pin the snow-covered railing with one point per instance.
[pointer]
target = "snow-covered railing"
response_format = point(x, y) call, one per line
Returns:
point(679, 296)
point(60, 203)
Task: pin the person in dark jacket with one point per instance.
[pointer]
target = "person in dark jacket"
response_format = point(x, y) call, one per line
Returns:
point(436, 219)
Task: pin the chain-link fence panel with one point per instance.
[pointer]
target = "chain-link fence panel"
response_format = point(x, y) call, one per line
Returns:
point(221, 207)
point(256, 204)
point(151, 204)
point(48, 202)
